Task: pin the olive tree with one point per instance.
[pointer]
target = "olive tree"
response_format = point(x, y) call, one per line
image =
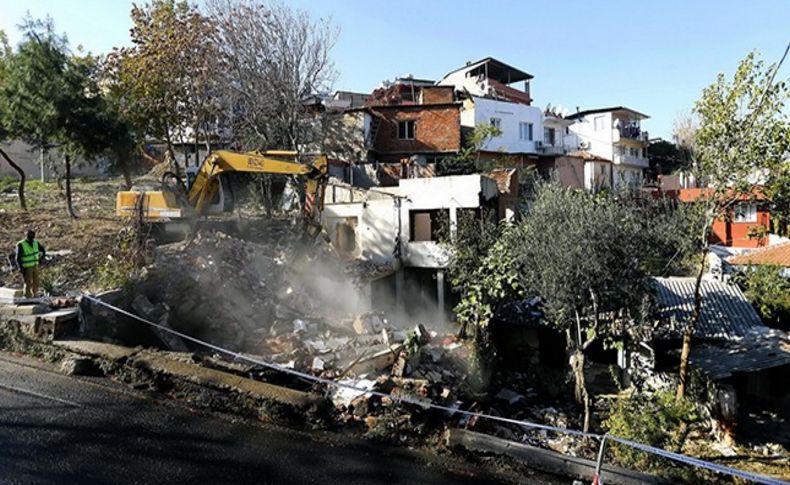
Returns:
point(587, 257)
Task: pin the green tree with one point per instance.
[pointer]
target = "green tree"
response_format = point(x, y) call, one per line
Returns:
point(51, 98)
point(586, 256)
point(32, 86)
point(165, 84)
point(769, 292)
point(655, 420)
point(467, 161)
point(743, 133)
point(778, 192)
point(667, 158)
point(5, 59)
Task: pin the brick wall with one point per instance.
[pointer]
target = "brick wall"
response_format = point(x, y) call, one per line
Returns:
point(437, 94)
point(437, 129)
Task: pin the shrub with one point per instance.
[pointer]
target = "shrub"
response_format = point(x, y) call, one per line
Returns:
point(653, 419)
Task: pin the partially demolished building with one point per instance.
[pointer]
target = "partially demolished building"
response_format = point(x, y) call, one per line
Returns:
point(401, 227)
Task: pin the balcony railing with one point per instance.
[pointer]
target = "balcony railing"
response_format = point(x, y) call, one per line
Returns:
point(552, 149)
point(633, 132)
point(631, 160)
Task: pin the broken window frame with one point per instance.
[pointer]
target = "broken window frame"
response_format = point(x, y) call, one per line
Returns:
point(407, 129)
point(434, 224)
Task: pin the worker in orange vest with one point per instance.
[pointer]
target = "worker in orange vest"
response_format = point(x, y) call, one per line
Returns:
point(29, 254)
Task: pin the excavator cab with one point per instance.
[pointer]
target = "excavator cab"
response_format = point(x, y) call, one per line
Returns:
point(178, 204)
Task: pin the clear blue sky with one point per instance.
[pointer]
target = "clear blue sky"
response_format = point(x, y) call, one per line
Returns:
point(652, 56)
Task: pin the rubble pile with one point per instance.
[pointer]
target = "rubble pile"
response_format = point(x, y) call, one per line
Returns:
point(265, 300)
point(226, 290)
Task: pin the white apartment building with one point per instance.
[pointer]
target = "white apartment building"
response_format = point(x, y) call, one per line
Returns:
point(493, 99)
point(614, 134)
point(558, 139)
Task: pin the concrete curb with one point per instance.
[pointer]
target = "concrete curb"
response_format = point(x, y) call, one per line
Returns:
point(221, 380)
point(547, 460)
point(181, 370)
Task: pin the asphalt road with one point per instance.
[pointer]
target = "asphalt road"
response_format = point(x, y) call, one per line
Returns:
point(60, 429)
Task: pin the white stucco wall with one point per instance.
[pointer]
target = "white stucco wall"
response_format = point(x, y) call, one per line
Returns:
point(597, 175)
point(511, 115)
point(461, 82)
point(378, 223)
point(600, 141)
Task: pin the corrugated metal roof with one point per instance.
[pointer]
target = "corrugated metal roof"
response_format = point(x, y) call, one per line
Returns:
point(763, 348)
point(726, 314)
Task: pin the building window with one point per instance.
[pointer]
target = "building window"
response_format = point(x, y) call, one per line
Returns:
point(525, 131)
point(406, 130)
point(426, 225)
point(549, 136)
point(496, 123)
point(600, 123)
point(745, 213)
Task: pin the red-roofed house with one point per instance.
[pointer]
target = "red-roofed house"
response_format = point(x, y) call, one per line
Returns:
point(745, 227)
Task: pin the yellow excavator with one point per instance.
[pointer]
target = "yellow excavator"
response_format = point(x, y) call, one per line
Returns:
point(178, 205)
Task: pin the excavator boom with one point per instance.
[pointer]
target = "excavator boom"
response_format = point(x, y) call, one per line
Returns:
point(164, 205)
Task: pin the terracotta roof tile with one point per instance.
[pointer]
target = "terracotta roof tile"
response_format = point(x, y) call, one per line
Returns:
point(585, 155)
point(778, 254)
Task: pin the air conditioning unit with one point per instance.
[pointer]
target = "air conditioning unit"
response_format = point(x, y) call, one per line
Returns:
point(584, 145)
point(538, 145)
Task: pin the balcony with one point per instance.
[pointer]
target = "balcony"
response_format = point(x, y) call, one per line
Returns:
point(631, 160)
point(629, 132)
point(551, 149)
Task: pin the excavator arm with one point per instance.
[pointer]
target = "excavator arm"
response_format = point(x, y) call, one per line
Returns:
point(206, 183)
point(165, 205)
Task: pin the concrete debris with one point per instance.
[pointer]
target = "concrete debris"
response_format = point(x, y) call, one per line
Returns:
point(159, 314)
point(78, 366)
point(369, 323)
point(509, 397)
point(343, 396)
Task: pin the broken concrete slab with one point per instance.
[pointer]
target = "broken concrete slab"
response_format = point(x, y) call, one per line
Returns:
point(16, 296)
point(375, 362)
point(546, 460)
point(209, 377)
point(107, 351)
point(343, 396)
point(160, 314)
point(369, 323)
point(10, 295)
point(509, 396)
point(17, 310)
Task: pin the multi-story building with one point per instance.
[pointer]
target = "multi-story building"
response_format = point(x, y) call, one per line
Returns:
point(492, 98)
point(614, 134)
